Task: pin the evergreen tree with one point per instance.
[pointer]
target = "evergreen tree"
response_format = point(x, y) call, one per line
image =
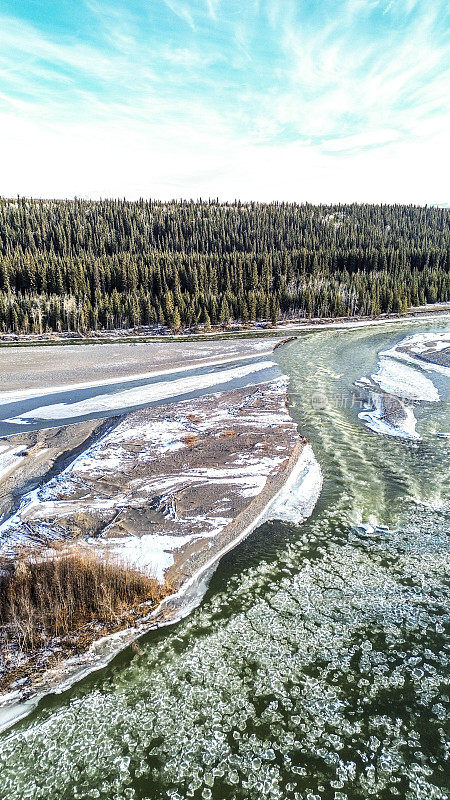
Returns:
point(224, 316)
point(176, 319)
point(80, 265)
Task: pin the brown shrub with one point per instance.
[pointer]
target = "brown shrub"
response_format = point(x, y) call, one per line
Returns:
point(225, 434)
point(46, 596)
point(190, 439)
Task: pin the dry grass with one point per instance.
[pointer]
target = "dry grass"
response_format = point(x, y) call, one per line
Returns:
point(46, 597)
point(190, 439)
point(194, 418)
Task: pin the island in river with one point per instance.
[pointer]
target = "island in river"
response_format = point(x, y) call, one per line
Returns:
point(161, 491)
point(57, 482)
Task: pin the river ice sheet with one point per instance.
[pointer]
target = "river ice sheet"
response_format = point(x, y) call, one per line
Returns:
point(127, 398)
point(315, 668)
point(400, 385)
point(404, 381)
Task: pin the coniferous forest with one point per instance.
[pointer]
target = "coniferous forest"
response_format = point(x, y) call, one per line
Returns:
point(87, 265)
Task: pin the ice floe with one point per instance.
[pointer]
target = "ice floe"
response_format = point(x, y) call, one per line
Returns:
point(397, 386)
point(379, 420)
point(404, 381)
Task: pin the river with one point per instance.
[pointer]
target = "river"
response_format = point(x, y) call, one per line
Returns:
point(314, 668)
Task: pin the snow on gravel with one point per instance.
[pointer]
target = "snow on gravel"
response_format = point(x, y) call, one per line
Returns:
point(163, 435)
point(132, 470)
point(141, 395)
point(151, 552)
point(412, 347)
point(10, 458)
point(250, 477)
point(421, 342)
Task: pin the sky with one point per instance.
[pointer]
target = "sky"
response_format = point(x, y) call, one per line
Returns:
point(295, 100)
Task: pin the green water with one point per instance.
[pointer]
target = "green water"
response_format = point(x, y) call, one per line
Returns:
point(315, 666)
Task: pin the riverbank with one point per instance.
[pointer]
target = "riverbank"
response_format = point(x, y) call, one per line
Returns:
point(314, 655)
point(296, 488)
point(233, 331)
point(167, 489)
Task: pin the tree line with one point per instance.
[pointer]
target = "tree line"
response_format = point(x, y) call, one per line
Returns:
point(79, 265)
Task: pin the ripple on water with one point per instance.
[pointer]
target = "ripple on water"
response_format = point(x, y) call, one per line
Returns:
point(314, 668)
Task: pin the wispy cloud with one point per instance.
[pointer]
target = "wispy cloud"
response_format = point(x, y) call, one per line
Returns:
point(263, 99)
point(342, 80)
point(182, 10)
point(212, 7)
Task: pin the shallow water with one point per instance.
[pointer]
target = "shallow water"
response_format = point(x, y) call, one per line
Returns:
point(32, 413)
point(315, 666)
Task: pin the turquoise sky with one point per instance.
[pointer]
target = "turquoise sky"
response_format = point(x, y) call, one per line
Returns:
point(257, 100)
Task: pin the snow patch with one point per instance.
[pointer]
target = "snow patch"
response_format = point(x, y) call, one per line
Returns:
point(404, 382)
point(10, 458)
point(379, 421)
point(141, 395)
point(150, 552)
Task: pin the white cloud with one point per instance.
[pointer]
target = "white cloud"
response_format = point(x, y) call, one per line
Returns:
point(103, 160)
point(29, 44)
point(338, 82)
point(338, 117)
point(182, 11)
point(212, 7)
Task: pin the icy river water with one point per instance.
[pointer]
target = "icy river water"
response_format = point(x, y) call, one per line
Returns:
point(315, 666)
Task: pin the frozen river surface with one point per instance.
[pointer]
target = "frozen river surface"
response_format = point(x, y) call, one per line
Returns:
point(315, 666)
point(37, 408)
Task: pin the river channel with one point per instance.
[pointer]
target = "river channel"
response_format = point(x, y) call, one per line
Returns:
point(314, 667)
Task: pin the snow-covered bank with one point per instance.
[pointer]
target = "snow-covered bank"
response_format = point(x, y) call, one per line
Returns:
point(163, 475)
point(140, 395)
point(396, 386)
point(424, 350)
point(10, 458)
point(293, 502)
point(146, 335)
point(296, 499)
point(439, 312)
